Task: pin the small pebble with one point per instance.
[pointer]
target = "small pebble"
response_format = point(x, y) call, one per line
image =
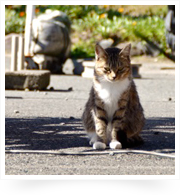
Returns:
point(26, 89)
point(62, 123)
point(16, 111)
point(45, 93)
point(170, 99)
point(70, 89)
point(71, 118)
point(111, 153)
point(51, 88)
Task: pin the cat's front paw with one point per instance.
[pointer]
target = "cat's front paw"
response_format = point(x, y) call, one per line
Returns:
point(115, 145)
point(99, 146)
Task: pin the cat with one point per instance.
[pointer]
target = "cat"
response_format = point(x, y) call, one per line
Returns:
point(113, 114)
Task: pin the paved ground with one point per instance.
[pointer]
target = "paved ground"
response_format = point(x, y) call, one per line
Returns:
point(50, 120)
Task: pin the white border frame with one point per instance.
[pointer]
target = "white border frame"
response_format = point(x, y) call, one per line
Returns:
point(89, 177)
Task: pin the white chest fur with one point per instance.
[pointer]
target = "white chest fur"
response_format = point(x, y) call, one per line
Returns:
point(110, 93)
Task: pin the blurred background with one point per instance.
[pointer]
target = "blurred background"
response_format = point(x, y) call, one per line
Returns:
point(145, 26)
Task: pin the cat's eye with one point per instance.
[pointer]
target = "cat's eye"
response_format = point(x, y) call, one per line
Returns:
point(121, 69)
point(106, 69)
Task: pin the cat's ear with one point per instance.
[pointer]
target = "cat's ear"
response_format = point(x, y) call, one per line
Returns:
point(100, 52)
point(126, 51)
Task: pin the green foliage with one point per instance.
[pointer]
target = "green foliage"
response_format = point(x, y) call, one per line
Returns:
point(83, 49)
point(92, 23)
point(123, 28)
point(13, 22)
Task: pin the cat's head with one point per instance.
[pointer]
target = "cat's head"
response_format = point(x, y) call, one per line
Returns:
point(112, 64)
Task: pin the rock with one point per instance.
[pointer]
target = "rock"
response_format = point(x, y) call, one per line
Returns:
point(78, 67)
point(152, 49)
point(88, 69)
point(27, 79)
point(51, 32)
point(135, 70)
point(70, 89)
point(68, 67)
point(73, 66)
point(137, 48)
point(106, 43)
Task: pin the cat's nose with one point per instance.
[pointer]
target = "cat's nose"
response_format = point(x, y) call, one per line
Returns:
point(113, 76)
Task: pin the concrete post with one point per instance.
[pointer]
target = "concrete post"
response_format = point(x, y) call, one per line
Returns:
point(14, 47)
point(30, 13)
point(21, 53)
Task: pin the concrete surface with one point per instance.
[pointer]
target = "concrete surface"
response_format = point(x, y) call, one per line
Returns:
point(51, 120)
point(27, 79)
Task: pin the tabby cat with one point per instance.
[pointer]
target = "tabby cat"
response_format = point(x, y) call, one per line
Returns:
point(113, 114)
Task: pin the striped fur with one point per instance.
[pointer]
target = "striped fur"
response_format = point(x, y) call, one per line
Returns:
point(113, 114)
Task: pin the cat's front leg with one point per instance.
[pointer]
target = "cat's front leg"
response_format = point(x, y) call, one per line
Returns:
point(118, 123)
point(100, 128)
point(101, 134)
point(116, 126)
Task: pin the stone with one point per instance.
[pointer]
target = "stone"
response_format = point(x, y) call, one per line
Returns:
point(73, 66)
point(88, 69)
point(135, 70)
point(105, 43)
point(137, 48)
point(16, 111)
point(27, 79)
point(51, 41)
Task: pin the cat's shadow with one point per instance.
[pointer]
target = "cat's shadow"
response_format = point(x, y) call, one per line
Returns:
point(159, 134)
point(45, 133)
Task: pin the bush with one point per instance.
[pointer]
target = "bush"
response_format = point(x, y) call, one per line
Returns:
point(14, 21)
point(92, 23)
point(121, 28)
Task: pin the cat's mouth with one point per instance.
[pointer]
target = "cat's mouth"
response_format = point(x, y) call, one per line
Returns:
point(111, 80)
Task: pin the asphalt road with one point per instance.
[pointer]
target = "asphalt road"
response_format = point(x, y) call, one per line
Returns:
point(51, 120)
